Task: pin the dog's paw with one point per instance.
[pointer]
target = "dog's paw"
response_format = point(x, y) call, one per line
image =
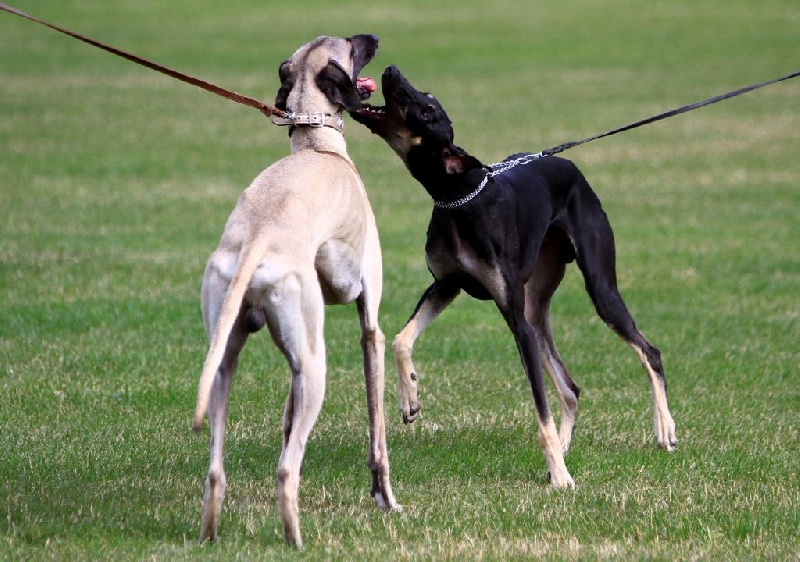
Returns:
point(380, 501)
point(410, 415)
point(563, 481)
point(669, 446)
point(664, 430)
point(409, 400)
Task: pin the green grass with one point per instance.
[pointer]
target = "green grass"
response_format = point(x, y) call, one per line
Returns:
point(115, 183)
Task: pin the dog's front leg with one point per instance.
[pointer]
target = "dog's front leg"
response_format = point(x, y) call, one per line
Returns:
point(373, 345)
point(435, 299)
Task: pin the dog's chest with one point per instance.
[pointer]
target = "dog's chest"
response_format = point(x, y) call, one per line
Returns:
point(443, 264)
point(449, 255)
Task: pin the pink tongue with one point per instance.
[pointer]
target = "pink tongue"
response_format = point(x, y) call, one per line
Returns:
point(367, 83)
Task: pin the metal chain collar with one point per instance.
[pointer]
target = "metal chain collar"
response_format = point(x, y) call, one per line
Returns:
point(497, 168)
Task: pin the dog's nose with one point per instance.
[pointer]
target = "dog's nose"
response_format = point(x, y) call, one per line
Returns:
point(391, 71)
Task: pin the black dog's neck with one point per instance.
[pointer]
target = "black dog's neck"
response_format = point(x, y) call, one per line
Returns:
point(444, 187)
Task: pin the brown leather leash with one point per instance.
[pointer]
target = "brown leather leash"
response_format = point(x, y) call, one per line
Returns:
point(214, 89)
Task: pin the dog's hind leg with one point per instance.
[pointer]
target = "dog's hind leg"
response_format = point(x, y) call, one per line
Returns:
point(512, 306)
point(294, 313)
point(596, 257)
point(433, 301)
point(539, 290)
point(218, 414)
point(373, 345)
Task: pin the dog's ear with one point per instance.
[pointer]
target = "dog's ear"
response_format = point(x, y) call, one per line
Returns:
point(338, 87)
point(364, 48)
point(457, 161)
point(286, 86)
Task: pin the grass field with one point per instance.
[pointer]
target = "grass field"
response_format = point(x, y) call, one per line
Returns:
point(115, 183)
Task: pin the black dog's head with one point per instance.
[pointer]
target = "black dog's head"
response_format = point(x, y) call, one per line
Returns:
point(416, 126)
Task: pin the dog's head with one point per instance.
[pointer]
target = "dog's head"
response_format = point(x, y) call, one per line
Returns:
point(322, 76)
point(416, 126)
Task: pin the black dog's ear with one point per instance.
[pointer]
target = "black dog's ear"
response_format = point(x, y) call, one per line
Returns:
point(338, 87)
point(457, 161)
point(286, 86)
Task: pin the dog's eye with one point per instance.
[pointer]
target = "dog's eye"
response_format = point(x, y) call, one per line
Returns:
point(426, 113)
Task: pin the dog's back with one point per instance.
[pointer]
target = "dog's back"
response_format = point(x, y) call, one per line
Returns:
point(308, 210)
point(559, 179)
point(292, 200)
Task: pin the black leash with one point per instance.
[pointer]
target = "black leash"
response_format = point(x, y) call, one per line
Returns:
point(500, 167)
point(671, 113)
point(233, 96)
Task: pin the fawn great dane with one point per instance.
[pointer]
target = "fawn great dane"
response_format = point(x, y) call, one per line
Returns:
point(301, 236)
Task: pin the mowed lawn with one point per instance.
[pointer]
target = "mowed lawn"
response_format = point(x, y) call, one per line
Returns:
point(115, 183)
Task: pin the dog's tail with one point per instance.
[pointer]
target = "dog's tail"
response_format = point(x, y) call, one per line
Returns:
point(249, 258)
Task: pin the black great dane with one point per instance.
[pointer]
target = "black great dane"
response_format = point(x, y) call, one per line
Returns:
point(506, 233)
